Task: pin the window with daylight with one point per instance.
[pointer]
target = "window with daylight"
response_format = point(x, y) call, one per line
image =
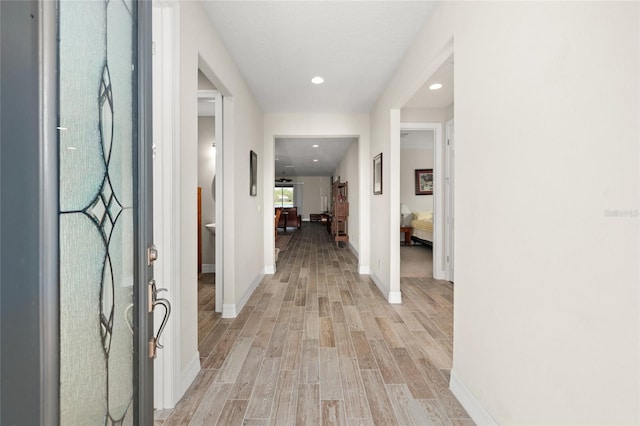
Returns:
point(283, 196)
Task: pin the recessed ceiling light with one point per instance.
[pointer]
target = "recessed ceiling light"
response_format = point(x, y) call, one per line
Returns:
point(435, 86)
point(315, 160)
point(315, 146)
point(317, 80)
point(277, 159)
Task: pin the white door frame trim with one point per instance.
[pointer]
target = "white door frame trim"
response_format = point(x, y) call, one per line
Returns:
point(438, 195)
point(216, 96)
point(450, 169)
point(166, 136)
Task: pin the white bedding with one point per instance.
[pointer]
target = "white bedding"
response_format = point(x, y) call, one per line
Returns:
point(422, 225)
point(423, 235)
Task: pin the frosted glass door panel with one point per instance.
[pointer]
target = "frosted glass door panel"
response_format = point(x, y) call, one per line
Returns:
point(97, 125)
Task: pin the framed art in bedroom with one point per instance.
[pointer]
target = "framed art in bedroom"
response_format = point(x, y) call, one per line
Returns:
point(377, 174)
point(424, 181)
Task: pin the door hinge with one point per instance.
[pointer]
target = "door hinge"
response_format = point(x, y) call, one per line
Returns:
point(153, 48)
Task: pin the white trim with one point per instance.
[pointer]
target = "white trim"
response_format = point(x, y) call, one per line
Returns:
point(364, 269)
point(449, 205)
point(269, 270)
point(393, 164)
point(167, 371)
point(364, 180)
point(438, 195)
point(208, 268)
point(379, 284)
point(395, 297)
point(217, 97)
point(204, 94)
point(231, 310)
point(466, 398)
point(353, 250)
point(190, 373)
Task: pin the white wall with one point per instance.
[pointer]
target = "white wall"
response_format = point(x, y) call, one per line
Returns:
point(423, 115)
point(348, 172)
point(201, 47)
point(314, 187)
point(356, 125)
point(546, 316)
point(206, 171)
point(410, 161)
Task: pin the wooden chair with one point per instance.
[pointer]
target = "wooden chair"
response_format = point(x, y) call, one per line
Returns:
point(277, 219)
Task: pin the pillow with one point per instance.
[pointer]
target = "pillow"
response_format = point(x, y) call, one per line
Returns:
point(427, 215)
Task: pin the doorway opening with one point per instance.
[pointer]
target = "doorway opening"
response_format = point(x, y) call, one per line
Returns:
point(416, 202)
point(210, 288)
point(432, 110)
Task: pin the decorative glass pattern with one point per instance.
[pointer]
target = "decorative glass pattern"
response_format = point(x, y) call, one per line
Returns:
point(96, 143)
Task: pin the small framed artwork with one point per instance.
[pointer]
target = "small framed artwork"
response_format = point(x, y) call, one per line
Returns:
point(253, 178)
point(424, 182)
point(377, 174)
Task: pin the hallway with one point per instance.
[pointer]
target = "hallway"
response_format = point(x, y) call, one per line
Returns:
point(318, 344)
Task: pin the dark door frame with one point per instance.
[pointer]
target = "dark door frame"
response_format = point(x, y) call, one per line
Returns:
point(28, 218)
point(29, 247)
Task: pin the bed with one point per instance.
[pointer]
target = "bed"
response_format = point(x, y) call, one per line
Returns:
point(422, 225)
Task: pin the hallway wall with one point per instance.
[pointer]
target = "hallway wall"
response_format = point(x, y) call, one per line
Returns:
point(546, 314)
point(348, 172)
point(201, 48)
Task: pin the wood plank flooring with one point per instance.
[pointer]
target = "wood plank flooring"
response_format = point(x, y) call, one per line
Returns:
point(317, 343)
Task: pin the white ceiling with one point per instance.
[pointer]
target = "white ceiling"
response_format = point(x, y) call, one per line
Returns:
point(355, 45)
point(441, 98)
point(299, 153)
point(280, 45)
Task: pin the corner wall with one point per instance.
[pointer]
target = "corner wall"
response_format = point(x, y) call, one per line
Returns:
point(546, 316)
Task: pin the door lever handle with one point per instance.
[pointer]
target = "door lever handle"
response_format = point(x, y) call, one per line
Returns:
point(154, 301)
point(167, 312)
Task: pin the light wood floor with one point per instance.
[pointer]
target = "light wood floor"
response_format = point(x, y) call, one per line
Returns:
point(318, 344)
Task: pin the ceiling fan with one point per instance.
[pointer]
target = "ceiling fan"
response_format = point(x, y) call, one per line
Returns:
point(283, 179)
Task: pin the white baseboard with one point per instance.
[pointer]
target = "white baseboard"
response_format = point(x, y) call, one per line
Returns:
point(269, 270)
point(395, 297)
point(229, 310)
point(232, 310)
point(477, 412)
point(189, 375)
point(353, 250)
point(378, 284)
point(364, 270)
point(208, 268)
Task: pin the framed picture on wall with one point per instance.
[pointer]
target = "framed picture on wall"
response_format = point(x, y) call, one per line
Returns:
point(377, 174)
point(253, 178)
point(424, 181)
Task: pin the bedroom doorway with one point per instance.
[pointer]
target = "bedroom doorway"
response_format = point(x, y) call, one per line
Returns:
point(416, 202)
point(431, 206)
